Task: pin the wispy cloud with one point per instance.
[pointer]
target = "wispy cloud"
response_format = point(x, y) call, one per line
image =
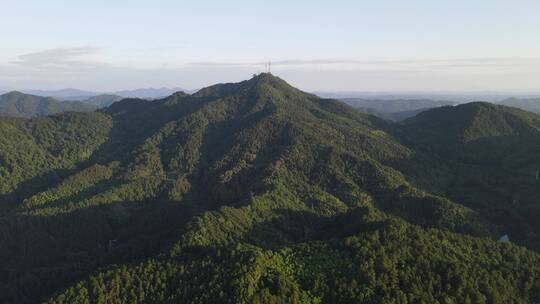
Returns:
point(60, 57)
point(221, 64)
point(351, 64)
point(94, 69)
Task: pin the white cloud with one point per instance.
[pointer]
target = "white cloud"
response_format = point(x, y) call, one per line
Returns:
point(89, 68)
point(60, 57)
point(432, 65)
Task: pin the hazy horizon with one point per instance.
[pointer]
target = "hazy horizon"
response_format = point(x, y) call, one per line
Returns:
point(351, 93)
point(343, 46)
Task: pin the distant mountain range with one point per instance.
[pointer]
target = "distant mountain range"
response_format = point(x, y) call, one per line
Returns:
point(400, 109)
point(103, 100)
point(388, 107)
point(395, 109)
point(528, 104)
point(76, 94)
point(458, 97)
point(72, 94)
point(150, 93)
point(18, 104)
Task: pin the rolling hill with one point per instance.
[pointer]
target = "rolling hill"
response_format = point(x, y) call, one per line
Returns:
point(256, 192)
point(394, 109)
point(491, 154)
point(16, 104)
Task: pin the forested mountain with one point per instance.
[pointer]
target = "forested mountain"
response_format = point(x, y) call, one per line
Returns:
point(16, 104)
point(394, 109)
point(489, 157)
point(256, 192)
point(401, 109)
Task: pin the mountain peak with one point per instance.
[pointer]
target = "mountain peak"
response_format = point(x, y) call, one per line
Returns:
point(270, 79)
point(14, 94)
point(480, 131)
point(256, 83)
point(266, 77)
point(465, 114)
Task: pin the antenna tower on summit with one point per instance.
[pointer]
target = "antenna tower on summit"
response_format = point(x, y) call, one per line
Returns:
point(268, 66)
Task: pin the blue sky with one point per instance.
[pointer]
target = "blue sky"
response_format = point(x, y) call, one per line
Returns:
point(317, 45)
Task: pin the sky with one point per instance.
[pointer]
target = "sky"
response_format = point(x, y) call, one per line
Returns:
point(367, 46)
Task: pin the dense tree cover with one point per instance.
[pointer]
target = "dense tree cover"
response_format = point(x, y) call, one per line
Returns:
point(16, 104)
point(250, 192)
point(34, 154)
point(381, 260)
point(488, 156)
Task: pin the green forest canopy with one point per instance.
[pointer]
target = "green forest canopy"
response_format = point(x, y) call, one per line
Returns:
point(256, 192)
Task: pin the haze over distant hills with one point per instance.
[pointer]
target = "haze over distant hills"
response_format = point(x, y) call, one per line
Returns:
point(17, 104)
point(390, 106)
point(457, 97)
point(68, 93)
point(397, 109)
point(43, 103)
point(528, 104)
point(103, 100)
point(76, 94)
point(150, 93)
